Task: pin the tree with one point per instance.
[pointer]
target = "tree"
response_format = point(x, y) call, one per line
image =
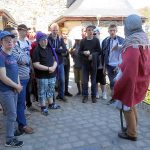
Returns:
point(146, 13)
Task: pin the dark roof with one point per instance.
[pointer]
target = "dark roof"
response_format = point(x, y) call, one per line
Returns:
point(102, 8)
point(93, 10)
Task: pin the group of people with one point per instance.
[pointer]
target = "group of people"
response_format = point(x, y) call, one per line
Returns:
point(45, 59)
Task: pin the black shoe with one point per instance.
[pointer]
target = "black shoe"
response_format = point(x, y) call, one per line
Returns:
point(111, 101)
point(68, 94)
point(124, 129)
point(18, 133)
point(85, 99)
point(124, 135)
point(61, 98)
point(14, 143)
point(64, 99)
point(94, 99)
point(57, 97)
point(79, 93)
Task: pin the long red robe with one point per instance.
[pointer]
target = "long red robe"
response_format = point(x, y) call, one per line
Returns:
point(131, 88)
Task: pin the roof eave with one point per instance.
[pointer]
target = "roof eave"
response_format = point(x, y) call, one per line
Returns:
point(62, 19)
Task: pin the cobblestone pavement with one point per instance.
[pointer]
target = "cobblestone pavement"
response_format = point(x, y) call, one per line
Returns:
point(78, 126)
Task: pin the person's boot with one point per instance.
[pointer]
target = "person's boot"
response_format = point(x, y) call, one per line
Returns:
point(94, 99)
point(85, 99)
point(68, 94)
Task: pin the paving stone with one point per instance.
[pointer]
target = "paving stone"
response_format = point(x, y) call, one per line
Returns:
point(78, 144)
point(73, 139)
point(89, 147)
point(80, 126)
point(92, 140)
point(67, 146)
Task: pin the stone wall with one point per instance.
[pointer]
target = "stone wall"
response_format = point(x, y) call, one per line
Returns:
point(35, 13)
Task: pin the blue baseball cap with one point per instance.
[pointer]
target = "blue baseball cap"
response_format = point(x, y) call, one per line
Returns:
point(6, 33)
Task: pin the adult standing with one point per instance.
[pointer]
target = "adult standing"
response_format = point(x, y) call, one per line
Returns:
point(89, 50)
point(134, 74)
point(21, 52)
point(45, 64)
point(25, 45)
point(59, 46)
point(67, 41)
point(77, 67)
point(9, 87)
point(111, 53)
point(100, 77)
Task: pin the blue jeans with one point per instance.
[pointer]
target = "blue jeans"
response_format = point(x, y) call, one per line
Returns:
point(8, 101)
point(21, 119)
point(61, 80)
point(111, 75)
point(87, 71)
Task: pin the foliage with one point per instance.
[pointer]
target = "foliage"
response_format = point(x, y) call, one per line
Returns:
point(147, 98)
point(146, 13)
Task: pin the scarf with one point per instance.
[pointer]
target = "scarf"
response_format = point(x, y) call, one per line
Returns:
point(135, 38)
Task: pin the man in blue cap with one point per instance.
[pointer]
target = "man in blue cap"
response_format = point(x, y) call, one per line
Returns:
point(9, 87)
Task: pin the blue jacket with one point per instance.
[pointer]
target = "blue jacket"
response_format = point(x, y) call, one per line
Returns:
point(106, 48)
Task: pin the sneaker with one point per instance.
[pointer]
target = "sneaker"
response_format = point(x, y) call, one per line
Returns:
point(45, 112)
point(26, 129)
point(53, 106)
point(14, 143)
point(85, 99)
point(68, 94)
point(111, 101)
point(97, 96)
point(104, 96)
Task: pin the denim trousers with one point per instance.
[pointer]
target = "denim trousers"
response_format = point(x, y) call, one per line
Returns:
point(61, 80)
point(21, 119)
point(111, 75)
point(88, 71)
point(8, 101)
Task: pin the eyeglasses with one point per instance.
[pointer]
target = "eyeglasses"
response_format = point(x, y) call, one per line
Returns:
point(8, 40)
point(112, 30)
point(16, 36)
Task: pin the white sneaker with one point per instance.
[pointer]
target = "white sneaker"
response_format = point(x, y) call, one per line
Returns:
point(97, 96)
point(104, 95)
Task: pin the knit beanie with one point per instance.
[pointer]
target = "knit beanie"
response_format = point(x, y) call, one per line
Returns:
point(132, 24)
point(40, 36)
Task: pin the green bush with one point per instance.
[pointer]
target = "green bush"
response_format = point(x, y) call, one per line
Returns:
point(147, 98)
